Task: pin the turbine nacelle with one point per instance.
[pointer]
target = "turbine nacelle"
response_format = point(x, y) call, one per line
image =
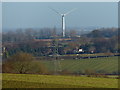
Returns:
point(63, 15)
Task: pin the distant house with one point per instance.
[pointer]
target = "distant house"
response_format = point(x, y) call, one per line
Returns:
point(80, 50)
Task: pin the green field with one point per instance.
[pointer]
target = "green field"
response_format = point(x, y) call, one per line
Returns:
point(106, 64)
point(52, 81)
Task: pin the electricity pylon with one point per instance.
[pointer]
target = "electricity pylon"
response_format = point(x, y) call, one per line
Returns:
point(57, 65)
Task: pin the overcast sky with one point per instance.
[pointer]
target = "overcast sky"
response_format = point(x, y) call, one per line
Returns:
point(38, 14)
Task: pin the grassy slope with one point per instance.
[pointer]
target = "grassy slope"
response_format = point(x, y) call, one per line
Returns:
point(51, 81)
point(107, 64)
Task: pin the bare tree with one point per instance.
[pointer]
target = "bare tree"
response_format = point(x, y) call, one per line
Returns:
point(23, 63)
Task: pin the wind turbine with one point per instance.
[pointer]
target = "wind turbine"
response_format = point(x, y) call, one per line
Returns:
point(63, 19)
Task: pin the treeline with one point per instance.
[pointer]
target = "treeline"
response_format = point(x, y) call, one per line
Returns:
point(29, 34)
point(103, 32)
point(48, 33)
point(98, 41)
point(104, 40)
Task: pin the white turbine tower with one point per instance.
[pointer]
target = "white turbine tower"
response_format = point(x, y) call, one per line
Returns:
point(63, 19)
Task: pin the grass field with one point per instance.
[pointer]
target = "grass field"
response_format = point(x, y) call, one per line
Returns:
point(52, 81)
point(106, 64)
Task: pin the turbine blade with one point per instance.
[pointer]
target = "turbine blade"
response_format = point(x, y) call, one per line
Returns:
point(70, 11)
point(55, 11)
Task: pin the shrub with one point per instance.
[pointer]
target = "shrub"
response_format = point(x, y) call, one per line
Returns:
point(23, 63)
